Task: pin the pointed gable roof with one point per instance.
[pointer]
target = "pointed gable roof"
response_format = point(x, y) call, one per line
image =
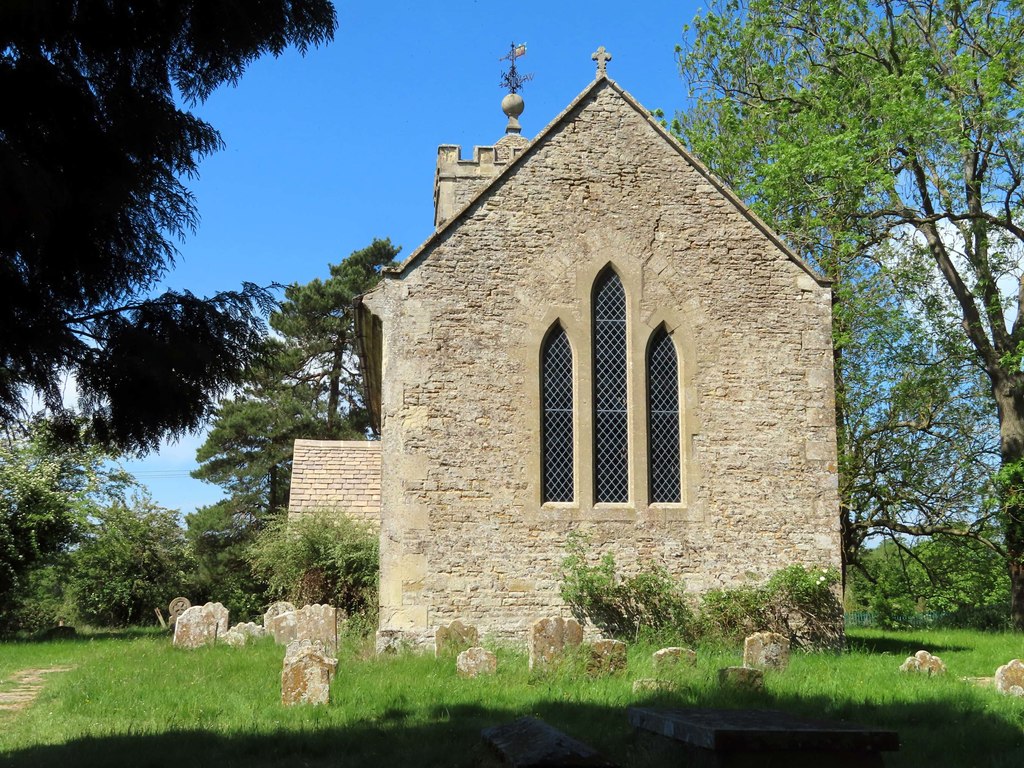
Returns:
point(602, 81)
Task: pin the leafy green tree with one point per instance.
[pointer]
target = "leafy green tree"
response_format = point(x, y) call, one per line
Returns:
point(218, 538)
point(94, 151)
point(47, 492)
point(917, 442)
point(962, 580)
point(887, 130)
point(133, 559)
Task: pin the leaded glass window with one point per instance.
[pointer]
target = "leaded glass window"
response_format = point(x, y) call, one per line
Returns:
point(663, 418)
point(611, 424)
point(557, 417)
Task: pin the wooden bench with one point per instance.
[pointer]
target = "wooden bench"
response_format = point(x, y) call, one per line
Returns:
point(738, 738)
point(531, 743)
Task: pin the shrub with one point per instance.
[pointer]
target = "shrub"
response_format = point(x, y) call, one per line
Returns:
point(131, 561)
point(320, 558)
point(797, 602)
point(648, 604)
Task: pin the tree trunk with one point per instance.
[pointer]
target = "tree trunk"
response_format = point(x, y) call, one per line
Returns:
point(1010, 403)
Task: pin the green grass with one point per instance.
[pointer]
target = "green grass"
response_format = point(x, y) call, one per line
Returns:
point(133, 700)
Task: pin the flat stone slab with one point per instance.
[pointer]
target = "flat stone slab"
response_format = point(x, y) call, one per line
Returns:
point(746, 730)
point(531, 743)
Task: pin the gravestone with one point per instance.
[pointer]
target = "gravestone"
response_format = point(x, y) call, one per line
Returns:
point(318, 623)
point(233, 638)
point(531, 743)
point(766, 650)
point(283, 627)
point(606, 657)
point(476, 661)
point(1010, 678)
point(250, 629)
point(740, 737)
point(306, 674)
point(747, 678)
point(923, 663)
point(667, 658)
point(175, 608)
point(450, 639)
point(276, 609)
point(549, 639)
point(653, 685)
point(200, 625)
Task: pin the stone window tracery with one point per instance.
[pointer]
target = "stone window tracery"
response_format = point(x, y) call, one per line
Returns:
point(663, 419)
point(611, 414)
point(557, 438)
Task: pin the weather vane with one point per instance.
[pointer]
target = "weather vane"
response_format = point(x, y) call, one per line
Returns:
point(513, 80)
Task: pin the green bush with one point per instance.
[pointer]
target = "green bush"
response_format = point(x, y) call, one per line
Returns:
point(131, 561)
point(320, 558)
point(797, 602)
point(646, 605)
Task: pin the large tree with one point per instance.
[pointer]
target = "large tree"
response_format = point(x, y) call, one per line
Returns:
point(94, 154)
point(890, 132)
point(307, 384)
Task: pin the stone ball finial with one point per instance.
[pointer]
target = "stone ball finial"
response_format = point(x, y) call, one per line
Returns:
point(513, 105)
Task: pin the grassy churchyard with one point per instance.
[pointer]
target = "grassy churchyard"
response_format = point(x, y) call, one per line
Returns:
point(131, 699)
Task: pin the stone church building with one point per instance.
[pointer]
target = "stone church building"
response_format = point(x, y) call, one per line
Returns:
point(598, 337)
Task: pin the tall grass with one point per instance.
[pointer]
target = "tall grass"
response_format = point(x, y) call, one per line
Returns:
point(137, 701)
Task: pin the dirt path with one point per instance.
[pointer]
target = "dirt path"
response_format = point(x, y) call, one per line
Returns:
point(29, 682)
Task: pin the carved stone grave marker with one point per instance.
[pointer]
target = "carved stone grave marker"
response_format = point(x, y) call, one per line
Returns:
point(200, 625)
point(549, 639)
point(766, 650)
point(306, 674)
point(476, 661)
point(450, 639)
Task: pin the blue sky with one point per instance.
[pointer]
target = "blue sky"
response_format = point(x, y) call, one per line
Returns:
point(325, 152)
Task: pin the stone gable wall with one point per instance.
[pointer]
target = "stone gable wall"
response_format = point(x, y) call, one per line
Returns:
point(341, 475)
point(464, 532)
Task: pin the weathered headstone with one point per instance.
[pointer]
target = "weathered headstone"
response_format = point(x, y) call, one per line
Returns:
point(241, 634)
point(233, 638)
point(283, 627)
point(476, 661)
point(923, 663)
point(766, 650)
point(759, 737)
point(306, 675)
point(200, 625)
point(250, 629)
point(606, 657)
point(673, 657)
point(388, 641)
point(550, 637)
point(176, 607)
point(450, 639)
point(1010, 678)
point(531, 743)
point(318, 623)
point(276, 609)
point(653, 685)
point(748, 678)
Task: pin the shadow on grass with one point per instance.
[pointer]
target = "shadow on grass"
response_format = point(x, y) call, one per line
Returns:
point(901, 646)
point(961, 733)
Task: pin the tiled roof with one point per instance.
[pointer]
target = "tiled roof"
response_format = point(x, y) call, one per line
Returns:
point(337, 475)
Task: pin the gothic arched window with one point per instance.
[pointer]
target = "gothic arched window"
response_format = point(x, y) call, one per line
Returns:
point(611, 423)
point(663, 418)
point(557, 417)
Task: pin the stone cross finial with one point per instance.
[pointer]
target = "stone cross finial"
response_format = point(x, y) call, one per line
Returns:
point(602, 57)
